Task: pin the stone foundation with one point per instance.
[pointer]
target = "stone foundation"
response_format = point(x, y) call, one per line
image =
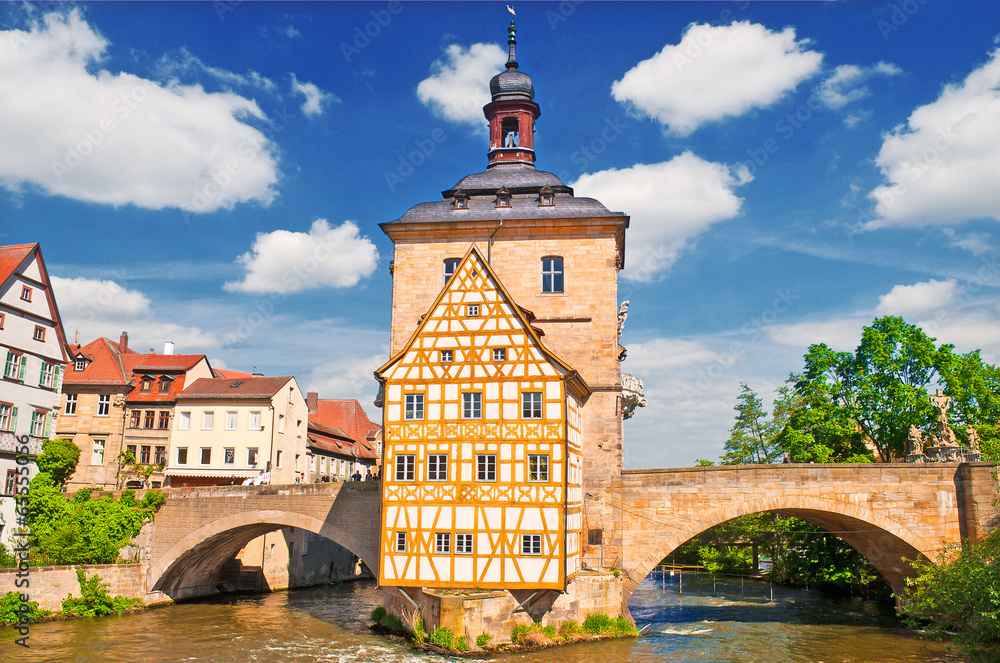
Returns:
point(49, 585)
point(471, 612)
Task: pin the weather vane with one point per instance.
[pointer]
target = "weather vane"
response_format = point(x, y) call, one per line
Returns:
point(511, 10)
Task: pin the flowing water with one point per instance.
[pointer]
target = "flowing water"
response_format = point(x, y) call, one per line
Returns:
point(330, 624)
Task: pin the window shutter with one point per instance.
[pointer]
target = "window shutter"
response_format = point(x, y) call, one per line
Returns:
point(13, 419)
point(6, 366)
point(48, 425)
point(41, 374)
point(21, 374)
point(56, 384)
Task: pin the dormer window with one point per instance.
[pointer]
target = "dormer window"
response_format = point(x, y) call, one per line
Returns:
point(546, 198)
point(461, 200)
point(503, 199)
point(165, 383)
point(80, 365)
point(146, 383)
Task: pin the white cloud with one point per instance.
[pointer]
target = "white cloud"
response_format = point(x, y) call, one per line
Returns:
point(315, 98)
point(940, 167)
point(285, 261)
point(349, 377)
point(670, 203)
point(119, 139)
point(716, 72)
point(841, 334)
point(188, 64)
point(459, 86)
point(908, 301)
point(101, 307)
point(668, 354)
point(845, 85)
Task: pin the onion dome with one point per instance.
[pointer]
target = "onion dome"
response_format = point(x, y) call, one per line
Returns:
point(511, 84)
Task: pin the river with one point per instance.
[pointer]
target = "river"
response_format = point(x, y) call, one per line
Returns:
point(330, 624)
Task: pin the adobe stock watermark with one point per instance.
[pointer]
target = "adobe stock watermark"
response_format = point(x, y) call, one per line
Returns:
point(363, 35)
point(121, 108)
point(898, 17)
point(988, 275)
point(750, 334)
point(583, 156)
point(101, 301)
point(408, 162)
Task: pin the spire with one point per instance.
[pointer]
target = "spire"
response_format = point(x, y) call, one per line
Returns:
point(511, 59)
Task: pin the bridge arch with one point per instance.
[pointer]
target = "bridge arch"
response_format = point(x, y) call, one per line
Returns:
point(881, 540)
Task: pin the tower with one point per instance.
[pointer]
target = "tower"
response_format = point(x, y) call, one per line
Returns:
point(545, 262)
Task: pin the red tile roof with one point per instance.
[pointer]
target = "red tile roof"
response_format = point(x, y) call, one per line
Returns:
point(225, 373)
point(11, 258)
point(104, 365)
point(252, 387)
point(347, 415)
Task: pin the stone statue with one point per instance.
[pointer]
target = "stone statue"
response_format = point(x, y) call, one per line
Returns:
point(941, 403)
point(974, 440)
point(622, 315)
point(914, 442)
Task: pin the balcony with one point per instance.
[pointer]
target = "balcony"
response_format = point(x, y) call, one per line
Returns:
point(9, 444)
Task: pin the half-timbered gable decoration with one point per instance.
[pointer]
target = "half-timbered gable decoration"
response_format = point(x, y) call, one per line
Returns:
point(483, 441)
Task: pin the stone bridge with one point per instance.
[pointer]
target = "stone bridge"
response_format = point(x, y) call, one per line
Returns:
point(887, 512)
point(198, 530)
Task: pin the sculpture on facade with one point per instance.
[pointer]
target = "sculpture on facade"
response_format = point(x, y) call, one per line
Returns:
point(946, 436)
point(974, 439)
point(914, 442)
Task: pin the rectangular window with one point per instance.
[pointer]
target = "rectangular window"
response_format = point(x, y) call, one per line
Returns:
point(277, 458)
point(538, 467)
point(10, 485)
point(131, 448)
point(47, 377)
point(447, 356)
point(39, 334)
point(552, 274)
point(164, 421)
point(208, 420)
point(296, 462)
point(486, 467)
point(252, 456)
point(6, 417)
point(70, 403)
point(229, 456)
point(463, 544)
point(15, 366)
point(144, 454)
point(80, 365)
point(206, 455)
point(97, 455)
point(254, 421)
point(160, 455)
point(26, 293)
point(531, 405)
point(146, 383)
point(150, 419)
point(401, 542)
point(185, 421)
point(450, 265)
point(165, 383)
point(472, 405)
point(531, 544)
point(182, 456)
point(103, 405)
point(499, 354)
point(281, 423)
point(437, 467)
point(135, 418)
point(414, 406)
point(442, 543)
point(472, 311)
point(38, 423)
point(230, 421)
point(404, 467)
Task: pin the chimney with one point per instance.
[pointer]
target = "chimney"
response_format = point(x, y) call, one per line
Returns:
point(123, 341)
point(168, 348)
point(312, 401)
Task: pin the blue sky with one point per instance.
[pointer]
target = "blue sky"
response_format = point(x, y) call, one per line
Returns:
point(213, 174)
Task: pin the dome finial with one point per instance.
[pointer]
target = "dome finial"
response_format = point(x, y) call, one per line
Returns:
point(511, 59)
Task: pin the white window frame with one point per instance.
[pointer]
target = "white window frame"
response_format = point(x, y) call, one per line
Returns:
point(80, 365)
point(538, 468)
point(531, 544)
point(550, 272)
point(229, 456)
point(472, 311)
point(499, 354)
point(413, 407)
point(104, 405)
point(464, 544)
point(486, 467)
point(201, 458)
point(38, 418)
point(442, 543)
point(97, 452)
point(453, 263)
point(447, 356)
point(400, 542)
point(184, 421)
point(406, 467)
point(531, 405)
point(232, 418)
point(48, 376)
point(472, 405)
point(437, 467)
point(185, 451)
point(253, 456)
point(15, 366)
point(254, 421)
point(208, 419)
point(70, 404)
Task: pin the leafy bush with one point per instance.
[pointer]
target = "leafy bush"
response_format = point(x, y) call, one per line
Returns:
point(517, 635)
point(597, 623)
point(443, 637)
point(10, 608)
point(622, 627)
point(94, 599)
point(483, 640)
point(7, 559)
point(58, 459)
point(462, 644)
point(378, 614)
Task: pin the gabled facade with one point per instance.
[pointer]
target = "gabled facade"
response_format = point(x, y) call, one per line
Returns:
point(482, 447)
point(226, 431)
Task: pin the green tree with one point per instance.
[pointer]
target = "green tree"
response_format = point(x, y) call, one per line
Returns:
point(816, 430)
point(751, 439)
point(58, 459)
point(974, 387)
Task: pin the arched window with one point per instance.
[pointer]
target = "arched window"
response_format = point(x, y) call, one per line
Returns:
point(552, 274)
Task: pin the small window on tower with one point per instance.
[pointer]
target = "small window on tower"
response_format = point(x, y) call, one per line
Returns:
point(461, 200)
point(503, 198)
point(546, 198)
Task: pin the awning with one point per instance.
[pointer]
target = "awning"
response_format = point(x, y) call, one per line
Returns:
point(209, 472)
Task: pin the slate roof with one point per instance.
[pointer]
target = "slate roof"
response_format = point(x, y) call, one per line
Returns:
point(228, 388)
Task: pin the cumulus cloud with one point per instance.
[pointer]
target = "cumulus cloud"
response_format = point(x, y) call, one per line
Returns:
point(103, 307)
point(908, 301)
point(668, 354)
point(670, 203)
point(458, 88)
point(315, 98)
point(348, 377)
point(846, 84)
point(115, 138)
point(840, 333)
point(940, 166)
point(716, 72)
point(285, 261)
